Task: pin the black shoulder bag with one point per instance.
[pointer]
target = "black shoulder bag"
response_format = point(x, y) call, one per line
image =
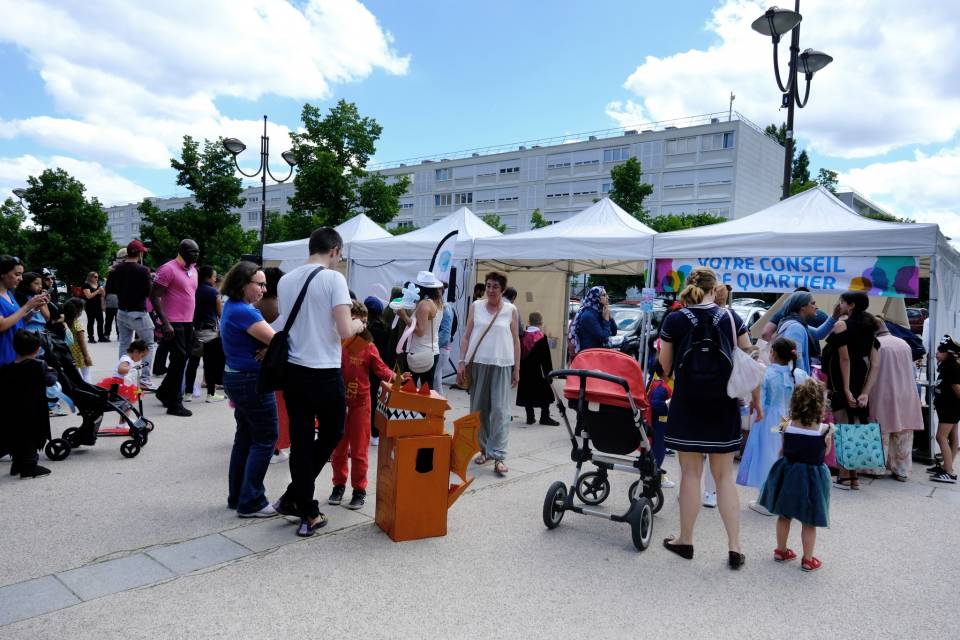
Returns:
point(278, 351)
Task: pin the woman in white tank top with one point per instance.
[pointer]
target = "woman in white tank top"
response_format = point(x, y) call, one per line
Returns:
point(490, 347)
point(429, 313)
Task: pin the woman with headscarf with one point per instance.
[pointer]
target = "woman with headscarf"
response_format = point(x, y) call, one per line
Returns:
point(799, 308)
point(592, 326)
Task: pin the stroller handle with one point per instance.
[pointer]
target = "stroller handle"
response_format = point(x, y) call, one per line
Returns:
point(587, 373)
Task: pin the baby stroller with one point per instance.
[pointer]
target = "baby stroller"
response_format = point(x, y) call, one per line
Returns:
point(91, 403)
point(606, 389)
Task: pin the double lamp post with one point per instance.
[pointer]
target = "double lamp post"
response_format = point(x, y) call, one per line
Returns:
point(775, 23)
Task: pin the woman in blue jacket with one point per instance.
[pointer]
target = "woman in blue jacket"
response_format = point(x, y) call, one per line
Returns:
point(592, 326)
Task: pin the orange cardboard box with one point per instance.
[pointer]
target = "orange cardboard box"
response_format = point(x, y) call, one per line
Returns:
point(413, 476)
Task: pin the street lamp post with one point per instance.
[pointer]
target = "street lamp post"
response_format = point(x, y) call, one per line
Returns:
point(775, 22)
point(236, 147)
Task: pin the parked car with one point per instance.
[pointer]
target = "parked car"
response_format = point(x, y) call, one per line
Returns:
point(630, 333)
point(916, 316)
point(749, 302)
point(749, 314)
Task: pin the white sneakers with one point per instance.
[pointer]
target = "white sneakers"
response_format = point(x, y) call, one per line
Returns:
point(216, 398)
point(267, 512)
point(666, 483)
point(282, 456)
point(374, 442)
point(710, 499)
point(759, 508)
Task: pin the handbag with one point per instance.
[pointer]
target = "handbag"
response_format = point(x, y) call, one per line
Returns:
point(421, 361)
point(747, 373)
point(278, 351)
point(466, 368)
point(859, 446)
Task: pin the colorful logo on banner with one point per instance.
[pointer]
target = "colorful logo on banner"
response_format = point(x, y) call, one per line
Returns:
point(894, 276)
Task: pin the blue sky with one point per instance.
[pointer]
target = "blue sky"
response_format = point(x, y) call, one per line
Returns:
point(107, 92)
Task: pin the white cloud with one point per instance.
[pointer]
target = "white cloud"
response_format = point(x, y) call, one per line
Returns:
point(131, 78)
point(102, 183)
point(893, 82)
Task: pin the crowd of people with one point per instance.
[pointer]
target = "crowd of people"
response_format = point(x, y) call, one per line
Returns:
point(324, 411)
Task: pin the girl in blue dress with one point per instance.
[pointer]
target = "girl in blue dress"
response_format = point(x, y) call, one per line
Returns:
point(763, 445)
point(798, 487)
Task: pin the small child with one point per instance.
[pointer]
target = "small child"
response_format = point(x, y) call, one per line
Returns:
point(23, 391)
point(535, 363)
point(658, 396)
point(128, 369)
point(947, 403)
point(798, 487)
point(72, 309)
point(763, 444)
point(357, 364)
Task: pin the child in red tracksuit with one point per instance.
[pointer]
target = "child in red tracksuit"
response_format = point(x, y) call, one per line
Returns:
point(356, 366)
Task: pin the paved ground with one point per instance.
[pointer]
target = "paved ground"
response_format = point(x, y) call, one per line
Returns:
point(107, 547)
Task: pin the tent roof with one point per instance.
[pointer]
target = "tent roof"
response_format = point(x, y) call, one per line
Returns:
point(359, 227)
point(420, 244)
point(596, 239)
point(813, 222)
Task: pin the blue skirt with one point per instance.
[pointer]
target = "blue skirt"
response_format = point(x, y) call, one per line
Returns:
point(798, 491)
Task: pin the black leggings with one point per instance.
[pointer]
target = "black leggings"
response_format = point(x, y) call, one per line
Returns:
point(94, 316)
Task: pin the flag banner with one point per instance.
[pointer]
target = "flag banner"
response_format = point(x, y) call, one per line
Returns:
point(893, 276)
point(443, 257)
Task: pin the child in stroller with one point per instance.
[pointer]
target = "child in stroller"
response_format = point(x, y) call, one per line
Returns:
point(606, 389)
point(91, 403)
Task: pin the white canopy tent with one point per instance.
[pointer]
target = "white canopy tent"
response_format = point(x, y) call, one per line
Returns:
point(378, 265)
point(601, 239)
point(294, 253)
point(815, 223)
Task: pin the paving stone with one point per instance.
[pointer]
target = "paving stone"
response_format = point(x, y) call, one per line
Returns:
point(112, 576)
point(529, 465)
point(277, 532)
point(33, 598)
point(198, 553)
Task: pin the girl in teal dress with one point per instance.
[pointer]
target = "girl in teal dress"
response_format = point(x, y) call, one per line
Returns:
point(798, 486)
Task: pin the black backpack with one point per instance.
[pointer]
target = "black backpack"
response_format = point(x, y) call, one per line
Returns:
point(908, 336)
point(705, 358)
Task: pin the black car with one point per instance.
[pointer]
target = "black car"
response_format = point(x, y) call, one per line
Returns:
point(630, 327)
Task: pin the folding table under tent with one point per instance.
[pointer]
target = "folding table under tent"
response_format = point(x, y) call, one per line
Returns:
point(814, 239)
point(380, 264)
point(294, 253)
point(601, 239)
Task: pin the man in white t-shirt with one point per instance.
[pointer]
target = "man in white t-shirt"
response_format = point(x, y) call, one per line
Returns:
point(313, 388)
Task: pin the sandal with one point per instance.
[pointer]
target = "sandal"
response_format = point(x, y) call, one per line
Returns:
point(843, 483)
point(307, 528)
point(735, 559)
point(500, 467)
point(810, 565)
point(682, 550)
point(481, 459)
point(855, 482)
point(784, 556)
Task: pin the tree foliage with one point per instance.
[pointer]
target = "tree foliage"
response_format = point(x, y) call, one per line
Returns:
point(210, 177)
point(493, 220)
point(399, 231)
point(14, 238)
point(678, 222)
point(69, 231)
point(537, 221)
point(332, 183)
point(628, 189)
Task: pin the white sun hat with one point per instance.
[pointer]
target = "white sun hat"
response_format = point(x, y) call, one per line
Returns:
point(428, 280)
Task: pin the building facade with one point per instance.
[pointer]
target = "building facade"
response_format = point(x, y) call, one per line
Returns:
point(713, 165)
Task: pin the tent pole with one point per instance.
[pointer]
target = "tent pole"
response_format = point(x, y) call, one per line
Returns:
point(931, 359)
point(566, 315)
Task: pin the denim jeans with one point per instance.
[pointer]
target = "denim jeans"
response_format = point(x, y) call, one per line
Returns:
point(316, 403)
point(139, 322)
point(256, 415)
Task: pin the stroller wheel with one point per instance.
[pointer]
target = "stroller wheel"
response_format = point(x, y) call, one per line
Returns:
point(141, 438)
point(130, 449)
point(70, 435)
point(57, 449)
point(149, 424)
point(553, 504)
point(641, 523)
point(593, 487)
point(655, 497)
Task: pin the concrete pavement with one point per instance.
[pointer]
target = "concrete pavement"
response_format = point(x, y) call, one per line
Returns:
point(184, 566)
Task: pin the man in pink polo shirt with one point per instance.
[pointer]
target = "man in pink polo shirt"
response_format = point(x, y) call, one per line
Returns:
point(174, 297)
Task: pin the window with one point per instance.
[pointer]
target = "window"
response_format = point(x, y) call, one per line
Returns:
point(442, 199)
point(253, 216)
point(606, 187)
point(406, 224)
point(583, 163)
point(509, 198)
point(485, 198)
point(504, 170)
point(616, 155)
point(134, 228)
point(406, 205)
point(463, 198)
point(717, 141)
point(681, 145)
point(559, 194)
point(586, 192)
point(558, 165)
point(442, 174)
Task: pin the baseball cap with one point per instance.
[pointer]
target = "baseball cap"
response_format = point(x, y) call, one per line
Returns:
point(136, 246)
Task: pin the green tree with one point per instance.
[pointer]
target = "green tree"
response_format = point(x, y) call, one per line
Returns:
point(14, 238)
point(493, 220)
point(827, 178)
point(399, 231)
point(801, 168)
point(537, 221)
point(678, 222)
point(69, 231)
point(332, 182)
point(628, 189)
point(210, 176)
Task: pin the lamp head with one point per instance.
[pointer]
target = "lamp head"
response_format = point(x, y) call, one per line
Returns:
point(289, 158)
point(234, 146)
point(812, 61)
point(775, 22)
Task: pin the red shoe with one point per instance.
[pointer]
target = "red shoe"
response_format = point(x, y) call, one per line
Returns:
point(784, 556)
point(810, 565)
